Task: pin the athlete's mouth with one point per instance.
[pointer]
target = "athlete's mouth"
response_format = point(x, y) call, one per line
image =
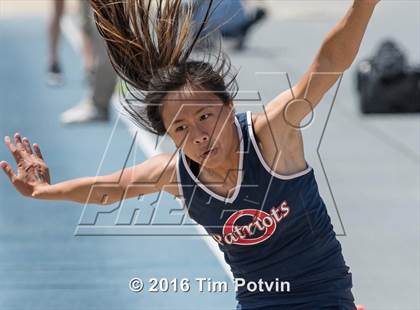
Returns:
point(209, 153)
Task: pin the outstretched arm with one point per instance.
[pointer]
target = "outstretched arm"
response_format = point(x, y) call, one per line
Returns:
point(335, 55)
point(32, 178)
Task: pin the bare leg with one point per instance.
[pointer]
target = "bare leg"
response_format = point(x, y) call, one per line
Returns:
point(96, 105)
point(87, 52)
point(54, 30)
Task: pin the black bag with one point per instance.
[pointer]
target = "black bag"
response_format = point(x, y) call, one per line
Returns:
point(386, 84)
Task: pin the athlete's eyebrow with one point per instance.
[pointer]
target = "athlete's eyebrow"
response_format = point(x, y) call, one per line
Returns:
point(198, 111)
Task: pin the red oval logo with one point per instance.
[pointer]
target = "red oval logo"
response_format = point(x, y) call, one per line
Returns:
point(243, 235)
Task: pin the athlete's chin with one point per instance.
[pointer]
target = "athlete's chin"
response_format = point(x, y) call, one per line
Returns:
point(209, 157)
point(208, 162)
point(211, 160)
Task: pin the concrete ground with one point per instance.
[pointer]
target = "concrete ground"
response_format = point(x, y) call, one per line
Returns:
point(371, 163)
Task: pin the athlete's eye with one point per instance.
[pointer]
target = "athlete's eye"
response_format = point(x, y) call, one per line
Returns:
point(208, 115)
point(203, 117)
point(180, 128)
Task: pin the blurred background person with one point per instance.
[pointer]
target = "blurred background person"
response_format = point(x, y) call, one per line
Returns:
point(55, 76)
point(232, 18)
point(102, 77)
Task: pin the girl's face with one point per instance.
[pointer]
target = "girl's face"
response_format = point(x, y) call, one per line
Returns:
point(199, 123)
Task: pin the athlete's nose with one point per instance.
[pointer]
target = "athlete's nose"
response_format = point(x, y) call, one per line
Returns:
point(201, 137)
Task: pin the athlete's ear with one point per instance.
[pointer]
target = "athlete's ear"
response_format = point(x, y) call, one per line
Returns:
point(230, 104)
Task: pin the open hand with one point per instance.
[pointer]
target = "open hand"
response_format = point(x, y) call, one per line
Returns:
point(32, 171)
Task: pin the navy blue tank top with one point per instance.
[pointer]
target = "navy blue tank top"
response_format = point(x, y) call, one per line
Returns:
point(274, 228)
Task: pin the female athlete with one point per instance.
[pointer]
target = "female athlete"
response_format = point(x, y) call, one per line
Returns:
point(242, 176)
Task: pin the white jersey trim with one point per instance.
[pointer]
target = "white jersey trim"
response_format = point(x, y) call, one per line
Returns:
point(261, 158)
point(240, 171)
point(181, 199)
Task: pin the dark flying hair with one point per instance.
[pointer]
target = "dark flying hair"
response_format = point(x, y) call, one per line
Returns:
point(153, 47)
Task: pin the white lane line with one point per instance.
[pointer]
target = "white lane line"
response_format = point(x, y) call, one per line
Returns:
point(147, 145)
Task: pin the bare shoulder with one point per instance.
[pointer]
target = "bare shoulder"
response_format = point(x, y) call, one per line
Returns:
point(280, 147)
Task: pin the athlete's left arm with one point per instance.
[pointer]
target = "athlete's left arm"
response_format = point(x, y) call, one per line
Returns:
point(336, 54)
